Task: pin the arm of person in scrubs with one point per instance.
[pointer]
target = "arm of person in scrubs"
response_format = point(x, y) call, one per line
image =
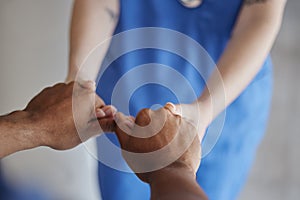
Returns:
point(255, 31)
point(93, 22)
point(48, 119)
point(176, 179)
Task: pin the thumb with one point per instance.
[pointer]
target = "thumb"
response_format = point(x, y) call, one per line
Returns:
point(124, 126)
point(175, 110)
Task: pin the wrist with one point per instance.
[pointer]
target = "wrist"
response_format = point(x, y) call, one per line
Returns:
point(72, 73)
point(164, 175)
point(198, 113)
point(25, 129)
point(71, 76)
point(204, 106)
point(175, 182)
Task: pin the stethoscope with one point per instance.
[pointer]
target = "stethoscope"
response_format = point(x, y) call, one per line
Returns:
point(191, 3)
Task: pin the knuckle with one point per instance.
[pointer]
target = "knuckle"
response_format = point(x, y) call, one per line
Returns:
point(143, 117)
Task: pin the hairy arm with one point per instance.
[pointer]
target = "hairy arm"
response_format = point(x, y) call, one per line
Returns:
point(49, 120)
point(93, 22)
point(16, 133)
point(252, 39)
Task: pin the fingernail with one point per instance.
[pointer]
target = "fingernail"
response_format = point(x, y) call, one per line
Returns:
point(171, 104)
point(111, 110)
point(171, 107)
point(100, 112)
point(174, 109)
point(108, 111)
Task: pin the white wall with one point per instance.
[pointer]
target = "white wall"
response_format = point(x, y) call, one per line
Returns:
point(275, 174)
point(33, 54)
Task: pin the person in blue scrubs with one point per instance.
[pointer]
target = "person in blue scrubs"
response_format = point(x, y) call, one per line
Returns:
point(237, 35)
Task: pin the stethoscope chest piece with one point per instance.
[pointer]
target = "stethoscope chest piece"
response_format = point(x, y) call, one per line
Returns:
point(191, 3)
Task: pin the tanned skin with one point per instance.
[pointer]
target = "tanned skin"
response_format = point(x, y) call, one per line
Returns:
point(177, 180)
point(48, 119)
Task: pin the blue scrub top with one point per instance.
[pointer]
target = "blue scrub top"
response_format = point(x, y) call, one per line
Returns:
point(224, 170)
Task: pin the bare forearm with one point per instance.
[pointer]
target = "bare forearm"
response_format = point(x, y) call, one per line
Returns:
point(252, 39)
point(175, 183)
point(93, 22)
point(16, 133)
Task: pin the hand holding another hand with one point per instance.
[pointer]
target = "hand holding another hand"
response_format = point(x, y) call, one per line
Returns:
point(154, 130)
point(57, 126)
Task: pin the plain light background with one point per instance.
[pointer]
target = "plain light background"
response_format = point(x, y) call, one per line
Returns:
point(34, 54)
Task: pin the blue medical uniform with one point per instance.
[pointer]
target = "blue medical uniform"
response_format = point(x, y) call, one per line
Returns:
point(224, 170)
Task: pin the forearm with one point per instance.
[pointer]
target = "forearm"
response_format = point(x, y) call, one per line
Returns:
point(251, 41)
point(175, 183)
point(16, 133)
point(93, 22)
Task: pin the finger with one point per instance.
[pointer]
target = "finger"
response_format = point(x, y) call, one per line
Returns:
point(100, 113)
point(132, 118)
point(109, 110)
point(122, 129)
point(123, 120)
point(172, 108)
point(107, 124)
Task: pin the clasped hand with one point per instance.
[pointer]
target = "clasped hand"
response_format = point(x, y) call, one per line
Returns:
point(159, 139)
point(155, 139)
